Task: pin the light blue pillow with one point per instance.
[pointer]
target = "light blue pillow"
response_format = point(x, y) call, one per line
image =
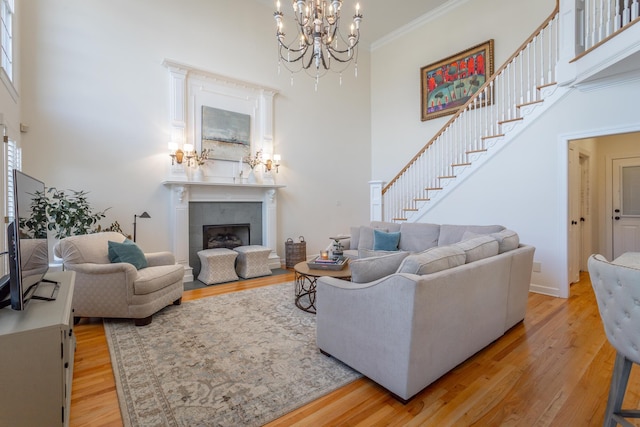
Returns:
point(383, 241)
point(127, 251)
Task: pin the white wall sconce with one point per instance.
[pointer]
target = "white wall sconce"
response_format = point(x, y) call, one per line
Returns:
point(270, 164)
point(175, 153)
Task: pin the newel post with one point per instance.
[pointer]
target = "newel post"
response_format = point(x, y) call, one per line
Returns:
point(375, 198)
point(571, 34)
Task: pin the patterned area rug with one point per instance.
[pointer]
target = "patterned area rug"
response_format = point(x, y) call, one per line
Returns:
point(244, 358)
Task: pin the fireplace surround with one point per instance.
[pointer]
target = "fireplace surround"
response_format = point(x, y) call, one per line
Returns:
point(185, 192)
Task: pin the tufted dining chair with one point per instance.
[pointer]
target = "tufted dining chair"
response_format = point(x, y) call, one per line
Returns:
point(617, 290)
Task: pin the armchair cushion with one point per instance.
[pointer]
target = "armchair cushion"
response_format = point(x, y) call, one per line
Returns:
point(127, 252)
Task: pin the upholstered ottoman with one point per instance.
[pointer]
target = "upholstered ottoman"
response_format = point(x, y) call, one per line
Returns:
point(253, 261)
point(217, 266)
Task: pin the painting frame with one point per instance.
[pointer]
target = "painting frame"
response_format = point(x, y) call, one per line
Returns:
point(437, 98)
point(226, 133)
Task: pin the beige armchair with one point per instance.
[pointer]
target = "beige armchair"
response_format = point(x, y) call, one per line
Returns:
point(105, 289)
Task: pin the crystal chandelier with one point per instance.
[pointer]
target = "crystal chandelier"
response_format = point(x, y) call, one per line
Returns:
point(319, 44)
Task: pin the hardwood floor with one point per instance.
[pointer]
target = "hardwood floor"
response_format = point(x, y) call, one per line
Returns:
point(553, 369)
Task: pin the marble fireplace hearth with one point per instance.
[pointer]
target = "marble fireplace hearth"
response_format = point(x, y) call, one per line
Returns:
point(185, 193)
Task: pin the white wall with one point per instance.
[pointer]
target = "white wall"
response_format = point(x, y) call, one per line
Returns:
point(96, 98)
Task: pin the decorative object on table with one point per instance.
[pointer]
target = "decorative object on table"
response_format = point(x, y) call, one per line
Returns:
point(448, 84)
point(318, 40)
point(337, 248)
point(227, 133)
point(234, 350)
point(295, 252)
point(135, 218)
point(330, 263)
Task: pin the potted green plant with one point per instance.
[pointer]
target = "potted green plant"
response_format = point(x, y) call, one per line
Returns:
point(69, 213)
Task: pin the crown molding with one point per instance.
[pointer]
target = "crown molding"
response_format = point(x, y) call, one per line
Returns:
point(417, 23)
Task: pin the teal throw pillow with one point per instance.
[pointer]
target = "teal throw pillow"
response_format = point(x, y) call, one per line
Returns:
point(383, 241)
point(127, 251)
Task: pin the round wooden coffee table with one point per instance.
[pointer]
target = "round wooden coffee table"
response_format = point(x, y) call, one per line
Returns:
point(306, 283)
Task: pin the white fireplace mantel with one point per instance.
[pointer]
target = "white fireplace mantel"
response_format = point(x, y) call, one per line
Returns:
point(184, 191)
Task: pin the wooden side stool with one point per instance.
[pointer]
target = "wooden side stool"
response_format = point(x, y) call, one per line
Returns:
point(217, 266)
point(253, 261)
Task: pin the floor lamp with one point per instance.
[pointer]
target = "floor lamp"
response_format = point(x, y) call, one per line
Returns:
point(135, 217)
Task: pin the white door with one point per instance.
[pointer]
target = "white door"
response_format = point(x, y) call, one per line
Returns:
point(574, 214)
point(626, 206)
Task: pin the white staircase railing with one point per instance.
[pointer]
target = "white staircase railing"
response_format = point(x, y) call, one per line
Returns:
point(603, 18)
point(496, 107)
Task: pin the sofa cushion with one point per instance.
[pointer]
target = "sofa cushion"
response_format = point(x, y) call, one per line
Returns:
point(385, 241)
point(453, 233)
point(433, 260)
point(152, 279)
point(87, 248)
point(365, 239)
point(354, 237)
point(417, 237)
point(508, 240)
point(127, 252)
point(368, 253)
point(366, 270)
point(478, 248)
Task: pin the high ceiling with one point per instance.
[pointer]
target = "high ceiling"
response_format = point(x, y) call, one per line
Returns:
point(378, 18)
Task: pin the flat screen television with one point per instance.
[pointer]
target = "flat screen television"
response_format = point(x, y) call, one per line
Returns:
point(28, 249)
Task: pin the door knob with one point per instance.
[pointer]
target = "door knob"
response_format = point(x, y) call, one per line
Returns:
point(617, 218)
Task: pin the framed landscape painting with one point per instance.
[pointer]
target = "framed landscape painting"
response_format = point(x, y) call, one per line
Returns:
point(448, 84)
point(226, 133)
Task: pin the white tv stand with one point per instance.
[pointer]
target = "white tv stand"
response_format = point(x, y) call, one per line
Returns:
point(36, 358)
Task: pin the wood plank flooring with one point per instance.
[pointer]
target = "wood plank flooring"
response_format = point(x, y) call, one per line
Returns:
point(553, 369)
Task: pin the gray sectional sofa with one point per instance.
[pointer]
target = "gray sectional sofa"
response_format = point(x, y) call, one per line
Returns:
point(412, 314)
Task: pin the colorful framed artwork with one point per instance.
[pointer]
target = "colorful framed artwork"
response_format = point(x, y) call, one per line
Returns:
point(448, 84)
point(226, 133)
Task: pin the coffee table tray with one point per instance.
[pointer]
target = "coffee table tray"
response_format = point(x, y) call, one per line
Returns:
point(320, 264)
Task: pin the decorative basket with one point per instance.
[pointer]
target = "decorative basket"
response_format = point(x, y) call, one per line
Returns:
point(295, 252)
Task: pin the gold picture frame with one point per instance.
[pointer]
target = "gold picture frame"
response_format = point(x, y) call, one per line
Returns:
point(448, 84)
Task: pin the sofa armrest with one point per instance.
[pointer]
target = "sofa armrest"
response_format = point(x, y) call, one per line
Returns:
point(160, 258)
point(91, 268)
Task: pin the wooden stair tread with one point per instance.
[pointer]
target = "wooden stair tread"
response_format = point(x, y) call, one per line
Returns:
point(529, 103)
point(433, 188)
point(410, 210)
point(510, 120)
point(546, 85)
point(481, 150)
point(492, 136)
point(446, 177)
point(421, 200)
point(398, 219)
point(461, 164)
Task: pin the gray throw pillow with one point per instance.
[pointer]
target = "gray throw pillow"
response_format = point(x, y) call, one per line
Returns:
point(433, 260)
point(366, 270)
point(478, 247)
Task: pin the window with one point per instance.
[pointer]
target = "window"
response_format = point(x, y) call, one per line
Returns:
point(6, 36)
point(14, 161)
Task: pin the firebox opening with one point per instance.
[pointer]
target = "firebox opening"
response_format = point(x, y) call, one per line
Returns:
point(226, 236)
